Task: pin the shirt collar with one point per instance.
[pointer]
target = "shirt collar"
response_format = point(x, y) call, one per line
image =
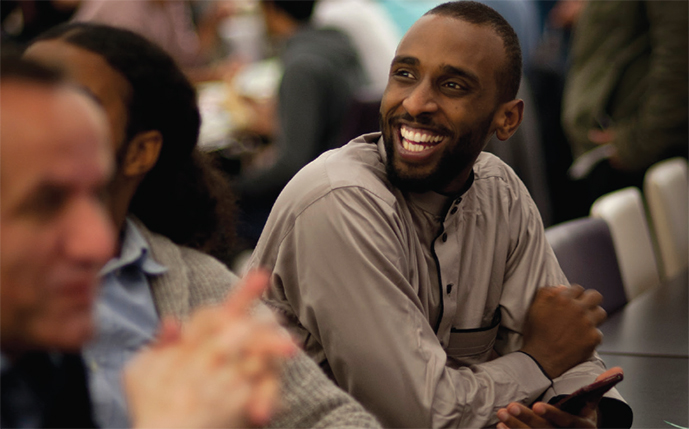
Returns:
point(135, 251)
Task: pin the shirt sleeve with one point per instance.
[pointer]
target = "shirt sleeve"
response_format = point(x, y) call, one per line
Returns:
point(343, 269)
point(532, 264)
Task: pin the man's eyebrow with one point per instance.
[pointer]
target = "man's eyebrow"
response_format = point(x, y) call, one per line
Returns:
point(402, 59)
point(454, 71)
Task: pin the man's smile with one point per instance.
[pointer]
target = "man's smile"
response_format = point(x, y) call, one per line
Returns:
point(416, 143)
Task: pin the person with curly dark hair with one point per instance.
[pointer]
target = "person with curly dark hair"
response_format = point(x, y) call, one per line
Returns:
point(170, 206)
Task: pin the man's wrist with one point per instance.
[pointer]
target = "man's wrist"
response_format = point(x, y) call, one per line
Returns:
point(543, 370)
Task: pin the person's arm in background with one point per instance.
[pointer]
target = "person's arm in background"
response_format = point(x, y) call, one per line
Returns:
point(355, 299)
point(659, 126)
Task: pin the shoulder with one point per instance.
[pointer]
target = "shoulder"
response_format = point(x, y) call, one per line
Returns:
point(192, 275)
point(493, 174)
point(497, 188)
point(354, 168)
point(343, 189)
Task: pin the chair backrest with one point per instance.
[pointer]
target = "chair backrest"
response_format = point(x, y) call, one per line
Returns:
point(586, 253)
point(667, 196)
point(624, 212)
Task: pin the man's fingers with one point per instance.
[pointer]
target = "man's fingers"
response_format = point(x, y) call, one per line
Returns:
point(264, 401)
point(608, 373)
point(559, 418)
point(169, 331)
point(251, 288)
point(598, 315)
point(574, 291)
point(591, 298)
point(519, 416)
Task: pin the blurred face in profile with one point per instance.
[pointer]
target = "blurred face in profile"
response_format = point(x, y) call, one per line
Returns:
point(55, 234)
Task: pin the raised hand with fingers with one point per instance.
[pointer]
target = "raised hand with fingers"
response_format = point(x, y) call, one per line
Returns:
point(221, 370)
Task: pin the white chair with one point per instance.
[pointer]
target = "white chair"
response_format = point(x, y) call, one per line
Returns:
point(667, 196)
point(624, 212)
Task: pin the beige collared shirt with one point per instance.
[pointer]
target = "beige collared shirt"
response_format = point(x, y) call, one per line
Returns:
point(413, 303)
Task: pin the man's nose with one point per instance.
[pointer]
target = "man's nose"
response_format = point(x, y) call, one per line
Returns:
point(89, 234)
point(421, 99)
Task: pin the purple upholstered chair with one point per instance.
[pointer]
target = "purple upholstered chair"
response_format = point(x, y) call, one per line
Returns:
point(586, 254)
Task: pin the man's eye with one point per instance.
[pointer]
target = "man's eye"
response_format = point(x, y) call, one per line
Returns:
point(45, 203)
point(455, 86)
point(402, 73)
point(102, 194)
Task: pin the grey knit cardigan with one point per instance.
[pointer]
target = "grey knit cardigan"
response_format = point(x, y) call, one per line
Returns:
point(308, 398)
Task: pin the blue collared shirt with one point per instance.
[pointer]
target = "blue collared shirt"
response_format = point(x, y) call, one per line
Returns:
point(127, 320)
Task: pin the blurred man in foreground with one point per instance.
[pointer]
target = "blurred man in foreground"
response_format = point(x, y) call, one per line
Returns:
point(55, 236)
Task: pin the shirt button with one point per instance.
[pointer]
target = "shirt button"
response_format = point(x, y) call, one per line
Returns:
point(449, 288)
point(454, 210)
point(444, 237)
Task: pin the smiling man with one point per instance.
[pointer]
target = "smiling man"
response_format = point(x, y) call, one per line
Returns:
point(413, 267)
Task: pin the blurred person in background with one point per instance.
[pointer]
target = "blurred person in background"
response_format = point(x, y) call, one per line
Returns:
point(321, 75)
point(55, 235)
point(22, 20)
point(192, 40)
point(626, 94)
point(169, 205)
point(371, 30)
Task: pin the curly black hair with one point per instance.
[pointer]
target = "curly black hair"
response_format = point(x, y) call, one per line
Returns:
point(184, 197)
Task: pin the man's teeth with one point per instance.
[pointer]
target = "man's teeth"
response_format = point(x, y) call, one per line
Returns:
point(411, 139)
point(412, 147)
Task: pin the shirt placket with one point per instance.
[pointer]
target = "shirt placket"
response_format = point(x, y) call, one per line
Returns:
point(447, 251)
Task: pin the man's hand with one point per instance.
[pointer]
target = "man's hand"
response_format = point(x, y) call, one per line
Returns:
point(547, 416)
point(603, 137)
point(560, 330)
point(221, 370)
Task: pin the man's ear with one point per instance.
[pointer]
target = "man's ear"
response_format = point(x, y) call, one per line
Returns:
point(142, 153)
point(508, 118)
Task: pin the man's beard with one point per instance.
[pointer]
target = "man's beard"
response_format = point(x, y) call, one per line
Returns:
point(457, 156)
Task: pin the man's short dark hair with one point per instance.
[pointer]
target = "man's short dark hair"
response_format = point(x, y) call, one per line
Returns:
point(509, 77)
point(183, 197)
point(300, 10)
